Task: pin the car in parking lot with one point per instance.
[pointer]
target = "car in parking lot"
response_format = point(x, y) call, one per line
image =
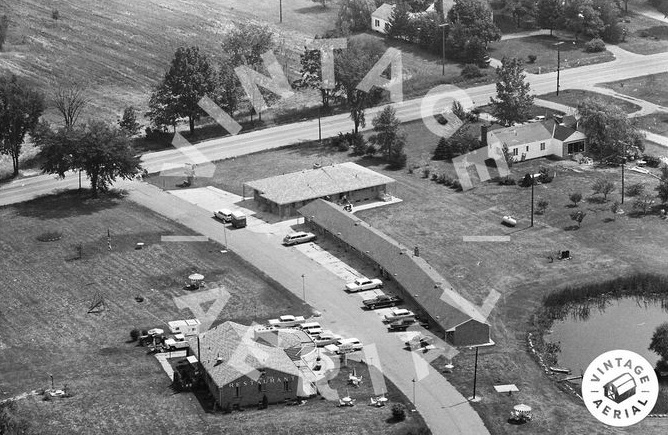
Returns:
point(298, 237)
point(311, 328)
point(363, 283)
point(399, 314)
point(345, 345)
point(326, 337)
point(223, 214)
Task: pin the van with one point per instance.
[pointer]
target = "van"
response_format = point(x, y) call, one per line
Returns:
point(311, 328)
point(238, 219)
point(298, 237)
point(223, 214)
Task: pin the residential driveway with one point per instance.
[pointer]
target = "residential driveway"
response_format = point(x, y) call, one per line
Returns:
point(445, 410)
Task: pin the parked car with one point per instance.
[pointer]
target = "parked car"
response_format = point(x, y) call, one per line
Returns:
point(400, 325)
point(399, 314)
point(419, 341)
point(381, 301)
point(223, 214)
point(361, 284)
point(286, 321)
point(178, 342)
point(311, 328)
point(326, 337)
point(298, 237)
point(345, 345)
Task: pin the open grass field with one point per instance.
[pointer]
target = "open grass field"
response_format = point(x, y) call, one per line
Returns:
point(572, 97)
point(116, 386)
point(656, 123)
point(645, 35)
point(119, 50)
point(652, 88)
point(542, 46)
point(436, 218)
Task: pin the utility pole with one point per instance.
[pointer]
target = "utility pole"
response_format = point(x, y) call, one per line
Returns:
point(319, 128)
point(280, 11)
point(532, 183)
point(475, 369)
point(623, 166)
point(443, 27)
point(304, 287)
point(558, 44)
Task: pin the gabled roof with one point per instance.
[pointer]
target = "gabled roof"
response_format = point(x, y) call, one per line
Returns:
point(518, 135)
point(434, 292)
point(228, 352)
point(317, 183)
point(384, 12)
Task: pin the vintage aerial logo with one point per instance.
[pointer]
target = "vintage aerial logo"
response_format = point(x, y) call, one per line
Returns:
point(620, 388)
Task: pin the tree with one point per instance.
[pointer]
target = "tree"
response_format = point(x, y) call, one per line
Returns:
point(4, 27)
point(70, 101)
point(542, 206)
point(612, 31)
point(388, 136)
point(521, 10)
point(20, 109)
point(460, 142)
point(508, 156)
point(581, 16)
point(354, 16)
point(513, 100)
point(643, 203)
point(228, 88)
point(575, 198)
point(549, 14)
point(101, 150)
point(659, 342)
point(472, 30)
point(401, 25)
point(311, 76)
point(604, 187)
point(443, 150)
point(246, 42)
point(189, 78)
point(350, 67)
point(608, 129)
point(578, 217)
point(128, 122)
point(662, 188)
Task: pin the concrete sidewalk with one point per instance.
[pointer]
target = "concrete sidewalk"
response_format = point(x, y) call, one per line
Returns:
point(444, 409)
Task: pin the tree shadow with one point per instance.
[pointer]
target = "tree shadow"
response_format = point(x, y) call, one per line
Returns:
point(315, 9)
point(571, 228)
point(69, 203)
point(596, 200)
point(608, 220)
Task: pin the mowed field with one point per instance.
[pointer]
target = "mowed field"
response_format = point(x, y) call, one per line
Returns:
point(116, 386)
point(119, 49)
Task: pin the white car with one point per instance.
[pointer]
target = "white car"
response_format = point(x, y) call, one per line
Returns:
point(361, 284)
point(345, 345)
point(326, 337)
point(298, 237)
point(286, 321)
point(223, 214)
point(399, 314)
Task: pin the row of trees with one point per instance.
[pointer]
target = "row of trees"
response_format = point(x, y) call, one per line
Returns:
point(592, 18)
point(469, 27)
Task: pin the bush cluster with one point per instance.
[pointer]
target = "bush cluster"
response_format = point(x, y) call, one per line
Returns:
point(471, 71)
point(596, 45)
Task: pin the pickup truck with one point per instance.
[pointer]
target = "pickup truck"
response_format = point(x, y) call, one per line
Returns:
point(361, 284)
point(399, 314)
point(345, 345)
point(178, 342)
point(381, 301)
point(286, 321)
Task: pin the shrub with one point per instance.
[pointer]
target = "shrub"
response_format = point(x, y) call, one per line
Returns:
point(434, 176)
point(527, 180)
point(447, 180)
point(532, 58)
point(398, 412)
point(651, 161)
point(370, 150)
point(458, 110)
point(134, 334)
point(542, 206)
point(635, 189)
point(357, 142)
point(471, 71)
point(399, 161)
point(55, 14)
point(426, 172)
point(50, 236)
point(596, 45)
point(456, 185)
point(575, 198)
point(507, 181)
point(442, 179)
point(545, 176)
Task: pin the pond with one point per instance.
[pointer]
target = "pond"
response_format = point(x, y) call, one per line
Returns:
point(624, 324)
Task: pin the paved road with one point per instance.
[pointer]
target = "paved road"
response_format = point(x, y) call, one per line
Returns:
point(445, 410)
point(627, 65)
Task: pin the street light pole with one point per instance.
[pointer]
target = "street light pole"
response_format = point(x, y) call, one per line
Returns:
point(414, 405)
point(319, 128)
point(475, 371)
point(225, 233)
point(623, 166)
point(558, 44)
point(532, 183)
point(303, 287)
point(280, 11)
point(443, 27)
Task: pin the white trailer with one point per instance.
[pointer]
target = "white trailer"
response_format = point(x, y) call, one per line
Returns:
point(185, 327)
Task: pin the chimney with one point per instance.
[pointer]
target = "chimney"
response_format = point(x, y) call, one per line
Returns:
point(483, 135)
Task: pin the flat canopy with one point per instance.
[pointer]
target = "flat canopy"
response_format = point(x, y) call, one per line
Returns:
point(508, 388)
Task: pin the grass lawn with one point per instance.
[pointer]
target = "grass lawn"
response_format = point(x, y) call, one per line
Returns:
point(652, 88)
point(656, 123)
point(572, 54)
point(572, 97)
point(117, 387)
point(645, 35)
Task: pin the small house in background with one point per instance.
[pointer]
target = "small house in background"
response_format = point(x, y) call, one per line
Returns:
point(185, 327)
point(620, 388)
point(380, 18)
